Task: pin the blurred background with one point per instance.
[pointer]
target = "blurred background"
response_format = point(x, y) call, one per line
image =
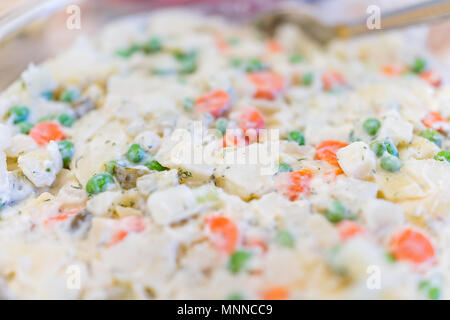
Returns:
point(33, 30)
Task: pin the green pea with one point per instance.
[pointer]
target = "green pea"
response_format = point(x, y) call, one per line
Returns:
point(155, 165)
point(284, 167)
point(99, 183)
point(238, 260)
point(378, 148)
point(221, 125)
point(285, 239)
point(254, 65)
point(235, 296)
point(390, 163)
point(391, 148)
point(296, 58)
point(66, 120)
point(307, 78)
point(163, 72)
point(110, 166)
point(188, 104)
point(187, 61)
point(135, 153)
point(236, 62)
point(296, 136)
point(153, 45)
point(418, 65)
point(390, 257)
point(24, 127)
point(432, 135)
point(19, 113)
point(69, 95)
point(432, 291)
point(233, 41)
point(443, 156)
point(129, 51)
point(66, 149)
point(47, 94)
point(336, 212)
point(334, 261)
point(371, 126)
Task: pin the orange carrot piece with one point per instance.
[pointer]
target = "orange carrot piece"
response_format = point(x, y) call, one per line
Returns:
point(391, 70)
point(61, 216)
point(349, 229)
point(432, 120)
point(215, 102)
point(257, 243)
point(251, 118)
point(411, 245)
point(250, 122)
point(268, 84)
point(221, 43)
point(431, 77)
point(326, 151)
point(224, 233)
point(294, 184)
point(274, 46)
point(332, 79)
point(233, 138)
point(276, 293)
point(45, 132)
point(125, 226)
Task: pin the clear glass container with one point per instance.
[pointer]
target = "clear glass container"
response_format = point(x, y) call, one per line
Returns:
point(33, 30)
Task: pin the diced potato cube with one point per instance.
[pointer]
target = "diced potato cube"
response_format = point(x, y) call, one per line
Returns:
point(357, 160)
point(109, 143)
point(394, 127)
point(41, 166)
point(102, 203)
point(149, 140)
point(157, 181)
point(382, 216)
point(420, 148)
point(241, 177)
point(172, 205)
point(21, 143)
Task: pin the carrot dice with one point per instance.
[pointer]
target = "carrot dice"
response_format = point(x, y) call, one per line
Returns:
point(332, 80)
point(411, 245)
point(268, 84)
point(274, 46)
point(294, 184)
point(224, 233)
point(391, 70)
point(326, 151)
point(251, 118)
point(276, 293)
point(233, 138)
point(45, 132)
point(215, 102)
point(62, 216)
point(431, 77)
point(125, 226)
point(349, 229)
point(433, 120)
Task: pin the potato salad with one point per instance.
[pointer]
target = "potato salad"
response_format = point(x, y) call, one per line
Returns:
point(353, 201)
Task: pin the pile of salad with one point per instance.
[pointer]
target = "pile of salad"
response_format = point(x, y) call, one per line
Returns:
point(94, 205)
